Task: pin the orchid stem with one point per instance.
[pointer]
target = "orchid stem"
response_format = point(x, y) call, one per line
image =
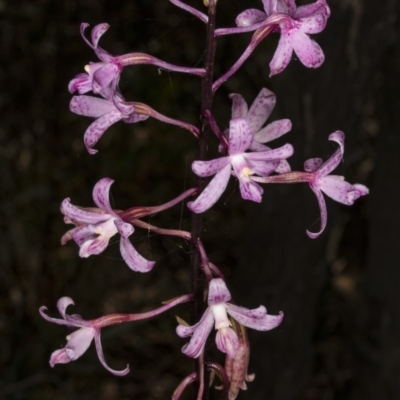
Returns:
point(197, 278)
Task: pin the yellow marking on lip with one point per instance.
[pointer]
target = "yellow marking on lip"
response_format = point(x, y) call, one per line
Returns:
point(247, 172)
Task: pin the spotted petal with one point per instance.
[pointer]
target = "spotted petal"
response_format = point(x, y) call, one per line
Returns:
point(135, 261)
point(101, 195)
point(239, 106)
point(261, 109)
point(98, 127)
point(273, 131)
point(208, 168)
point(240, 136)
point(250, 17)
point(82, 216)
point(257, 319)
point(90, 106)
point(213, 191)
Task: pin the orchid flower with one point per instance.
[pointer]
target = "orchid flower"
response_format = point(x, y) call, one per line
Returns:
point(95, 227)
point(317, 175)
point(106, 114)
point(295, 24)
point(216, 315)
point(243, 164)
point(105, 74)
point(108, 111)
point(256, 116)
point(79, 340)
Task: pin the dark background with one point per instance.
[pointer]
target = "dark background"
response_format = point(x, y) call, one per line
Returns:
point(340, 335)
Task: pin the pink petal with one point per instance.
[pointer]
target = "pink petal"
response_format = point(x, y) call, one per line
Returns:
point(97, 32)
point(78, 342)
point(274, 130)
point(218, 292)
point(314, 23)
point(100, 354)
point(62, 305)
point(250, 190)
point(256, 319)
point(308, 51)
point(81, 83)
point(309, 10)
point(185, 331)
point(90, 106)
point(336, 157)
point(93, 246)
point(101, 195)
point(196, 345)
point(240, 136)
point(250, 17)
point(239, 106)
point(83, 233)
point(261, 109)
point(227, 341)
point(324, 213)
point(124, 229)
point(84, 25)
point(98, 127)
point(283, 167)
point(104, 76)
point(208, 168)
point(339, 190)
point(264, 168)
point(289, 5)
point(213, 191)
point(80, 215)
point(283, 53)
point(135, 261)
point(312, 164)
point(270, 155)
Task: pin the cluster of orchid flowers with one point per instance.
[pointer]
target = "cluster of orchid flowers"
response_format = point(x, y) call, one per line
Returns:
point(245, 156)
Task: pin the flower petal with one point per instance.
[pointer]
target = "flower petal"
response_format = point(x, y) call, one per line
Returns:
point(196, 345)
point(97, 32)
point(312, 164)
point(264, 168)
point(84, 233)
point(308, 51)
point(218, 292)
point(324, 213)
point(227, 341)
point(81, 83)
point(240, 136)
point(208, 168)
point(93, 246)
point(185, 331)
point(272, 131)
point(90, 106)
point(213, 191)
point(239, 106)
point(283, 53)
point(98, 127)
point(270, 155)
point(283, 167)
point(135, 261)
point(100, 354)
point(105, 75)
point(336, 157)
point(101, 195)
point(339, 190)
point(82, 216)
point(124, 229)
point(250, 190)
point(62, 305)
point(309, 10)
point(250, 17)
point(261, 109)
point(256, 319)
point(314, 23)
